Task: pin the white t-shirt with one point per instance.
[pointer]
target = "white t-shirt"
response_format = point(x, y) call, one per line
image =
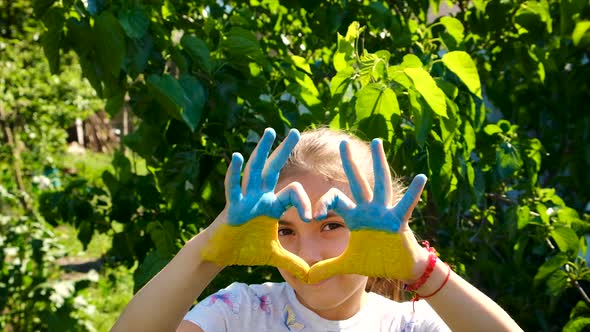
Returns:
point(274, 307)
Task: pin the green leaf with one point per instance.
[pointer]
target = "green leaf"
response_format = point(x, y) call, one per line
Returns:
point(462, 65)
point(567, 215)
point(52, 37)
point(371, 68)
point(164, 237)
point(508, 160)
point(580, 309)
point(580, 31)
point(454, 28)
point(533, 14)
point(184, 100)
point(524, 216)
point(377, 99)
point(396, 73)
point(411, 61)
point(469, 138)
point(110, 43)
point(346, 51)
point(551, 265)
point(169, 93)
point(341, 82)
point(195, 93)
point(579, 324)
point(566, 238)
point(423, 117)
point(241, 43)
point(197, 50)
point(448, 88)
point(427, 87)
point(557, 283)
point(135, 22)
point(41, 6)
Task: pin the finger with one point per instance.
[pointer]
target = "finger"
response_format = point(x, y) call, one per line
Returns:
point(335, 200)
point(255, 165)
point(294, 195)
point(361, 192)
point(325, 269)
point(278, 159)
point(382, 192)
point(233, 191)
point(406, 205)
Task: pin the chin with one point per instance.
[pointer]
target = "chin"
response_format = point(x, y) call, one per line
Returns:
point(329, 294)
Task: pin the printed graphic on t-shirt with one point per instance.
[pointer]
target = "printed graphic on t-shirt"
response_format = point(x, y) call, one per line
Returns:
point(290, 320)
point(263, 303)
point(229, 298)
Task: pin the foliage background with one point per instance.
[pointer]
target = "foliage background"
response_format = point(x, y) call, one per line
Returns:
point(488, 102)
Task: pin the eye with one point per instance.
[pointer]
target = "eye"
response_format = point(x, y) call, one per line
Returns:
point(285, 232)
point(331, 226)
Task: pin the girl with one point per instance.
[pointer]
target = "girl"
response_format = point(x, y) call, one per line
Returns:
point(322, 224)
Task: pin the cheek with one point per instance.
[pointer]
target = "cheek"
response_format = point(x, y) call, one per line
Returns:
point(338, 242)
point(288, 243)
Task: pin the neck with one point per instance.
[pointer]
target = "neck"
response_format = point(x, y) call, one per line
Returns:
point(344, 310)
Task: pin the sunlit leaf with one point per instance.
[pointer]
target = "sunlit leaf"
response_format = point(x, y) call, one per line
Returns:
point(580, 31)
point(427, 87)
point(551, 265)
point(454, 27)
point(377, 100)
point(463, 66)
point(566, 238)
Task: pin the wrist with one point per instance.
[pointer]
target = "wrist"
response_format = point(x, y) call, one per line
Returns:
point(425, 260)
point(433, 277)
point(422, 258)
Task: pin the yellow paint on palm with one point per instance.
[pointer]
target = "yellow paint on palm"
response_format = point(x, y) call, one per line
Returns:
point(371, 253)
point(253, 243)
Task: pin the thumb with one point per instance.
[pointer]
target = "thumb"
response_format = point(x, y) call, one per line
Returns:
point(324, 270)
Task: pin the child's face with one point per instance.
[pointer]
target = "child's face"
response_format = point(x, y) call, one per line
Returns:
point(335, 298)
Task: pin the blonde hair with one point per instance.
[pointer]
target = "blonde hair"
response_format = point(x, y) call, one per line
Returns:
point(318, 152)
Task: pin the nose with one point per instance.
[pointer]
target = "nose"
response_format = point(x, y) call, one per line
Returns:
point(309, 250)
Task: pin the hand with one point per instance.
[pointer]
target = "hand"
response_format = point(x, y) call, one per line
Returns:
point(381, 243)
point(246, 233)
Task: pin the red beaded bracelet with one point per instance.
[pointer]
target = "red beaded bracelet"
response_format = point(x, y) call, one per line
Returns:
point(418, 296)
point(429, 268)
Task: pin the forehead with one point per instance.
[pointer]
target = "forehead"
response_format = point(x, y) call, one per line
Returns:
point(315, 185)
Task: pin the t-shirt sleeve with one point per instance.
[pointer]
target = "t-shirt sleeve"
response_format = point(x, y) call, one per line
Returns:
point(215, 312)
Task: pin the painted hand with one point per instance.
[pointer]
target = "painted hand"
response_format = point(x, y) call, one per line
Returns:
point(381, 243)
point(247, 234)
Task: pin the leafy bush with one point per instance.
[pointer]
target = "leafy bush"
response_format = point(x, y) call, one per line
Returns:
point(32, 297)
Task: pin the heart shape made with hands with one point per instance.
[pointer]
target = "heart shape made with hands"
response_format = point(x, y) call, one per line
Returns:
point(369, 252)
point(376, 248)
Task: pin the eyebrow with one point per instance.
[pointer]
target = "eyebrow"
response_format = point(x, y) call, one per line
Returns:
point(290, 223)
